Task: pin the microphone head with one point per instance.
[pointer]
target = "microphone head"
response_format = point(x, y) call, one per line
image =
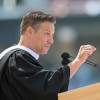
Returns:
point(65, 55)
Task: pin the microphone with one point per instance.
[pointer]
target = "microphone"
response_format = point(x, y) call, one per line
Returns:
point(66, 60)
point(65, 57)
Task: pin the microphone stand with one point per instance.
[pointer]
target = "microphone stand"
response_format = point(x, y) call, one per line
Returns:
point(90, 63)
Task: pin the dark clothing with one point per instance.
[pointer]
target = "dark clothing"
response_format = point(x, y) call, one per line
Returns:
point(25, 79)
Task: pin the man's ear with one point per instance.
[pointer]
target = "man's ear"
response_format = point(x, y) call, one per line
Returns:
point(29, 31)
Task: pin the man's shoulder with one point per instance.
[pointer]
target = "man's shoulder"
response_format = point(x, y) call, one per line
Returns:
point(6, 51)
point(22, 54)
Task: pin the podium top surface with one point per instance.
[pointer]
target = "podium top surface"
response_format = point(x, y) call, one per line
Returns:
point(90, 92)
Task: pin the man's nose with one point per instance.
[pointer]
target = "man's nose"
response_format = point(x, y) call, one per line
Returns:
point(51, 40)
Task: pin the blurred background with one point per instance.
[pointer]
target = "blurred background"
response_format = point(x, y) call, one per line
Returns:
point(78, 23)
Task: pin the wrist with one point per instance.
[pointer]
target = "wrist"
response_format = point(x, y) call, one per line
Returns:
point(78, 62)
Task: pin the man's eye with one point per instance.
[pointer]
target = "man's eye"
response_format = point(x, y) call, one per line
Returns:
point(47, 33)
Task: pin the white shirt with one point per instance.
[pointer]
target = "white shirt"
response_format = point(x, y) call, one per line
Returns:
point(35, 55)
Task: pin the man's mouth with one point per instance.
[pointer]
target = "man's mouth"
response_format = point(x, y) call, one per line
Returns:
point(47, 46)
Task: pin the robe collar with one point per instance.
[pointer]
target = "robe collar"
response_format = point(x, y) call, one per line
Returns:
point(35, 55)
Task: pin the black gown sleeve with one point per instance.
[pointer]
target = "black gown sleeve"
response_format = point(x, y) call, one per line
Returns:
point(25, 79)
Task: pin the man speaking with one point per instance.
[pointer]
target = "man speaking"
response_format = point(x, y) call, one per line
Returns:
point(23, 77)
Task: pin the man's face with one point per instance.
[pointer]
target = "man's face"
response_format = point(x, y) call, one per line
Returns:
point(43, 38)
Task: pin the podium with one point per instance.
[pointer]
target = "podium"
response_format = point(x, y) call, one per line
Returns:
point(90, 92)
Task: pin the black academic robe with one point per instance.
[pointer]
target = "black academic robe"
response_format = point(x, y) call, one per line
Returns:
point(25, 79)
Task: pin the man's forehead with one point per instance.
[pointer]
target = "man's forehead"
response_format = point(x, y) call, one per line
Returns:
point(48, 27)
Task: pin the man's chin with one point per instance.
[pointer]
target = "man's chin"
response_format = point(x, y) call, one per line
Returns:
point(45, 52)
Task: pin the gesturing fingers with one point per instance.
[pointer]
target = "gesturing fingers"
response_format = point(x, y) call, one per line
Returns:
point(84, 52)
